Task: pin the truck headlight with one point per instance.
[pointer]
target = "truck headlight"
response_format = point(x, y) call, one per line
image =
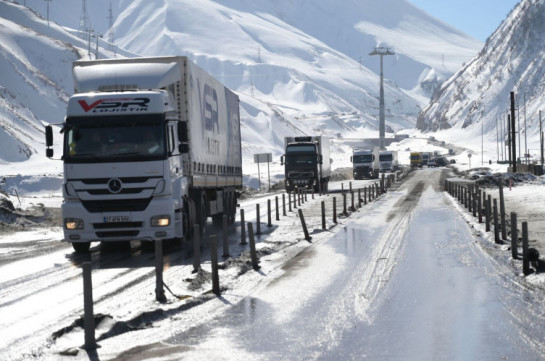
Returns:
point(160, 221)
point(73, 223)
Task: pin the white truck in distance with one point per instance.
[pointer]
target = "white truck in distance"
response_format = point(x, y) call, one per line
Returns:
point(365, 163)
point(151, 148)
point(388, 161)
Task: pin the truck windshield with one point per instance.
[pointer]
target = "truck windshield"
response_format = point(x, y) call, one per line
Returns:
point(363, 158)
point(114, 139)
point(385, 157)
point(301, 154)
point(415, 157)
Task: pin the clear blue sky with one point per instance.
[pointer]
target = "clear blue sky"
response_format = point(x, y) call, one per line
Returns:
point(477, 18)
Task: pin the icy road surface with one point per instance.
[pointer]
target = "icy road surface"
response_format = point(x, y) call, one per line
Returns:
point(413, 286)
point(403, 278)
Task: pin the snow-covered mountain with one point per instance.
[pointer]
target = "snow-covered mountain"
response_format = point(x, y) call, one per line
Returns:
point(295, 65)
point(478, 95)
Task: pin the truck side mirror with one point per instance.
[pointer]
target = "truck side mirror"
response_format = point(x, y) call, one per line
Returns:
point(183, 138)
point(182, 132)
point(183, 148)
point(49, 141)
point(320, 159)
point(281, 160)
point(351, 159)
point(48, 136)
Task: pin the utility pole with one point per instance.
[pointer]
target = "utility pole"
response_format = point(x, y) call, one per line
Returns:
point(497, 140)
point(541, 138)
point(525, 139)
point(47, 2)
point(84, 29)
point(513, 137)
point(111, 33)
point(381, 51)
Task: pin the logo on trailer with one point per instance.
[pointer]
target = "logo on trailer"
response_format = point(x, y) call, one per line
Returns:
point(114, 185)
point(116, 105)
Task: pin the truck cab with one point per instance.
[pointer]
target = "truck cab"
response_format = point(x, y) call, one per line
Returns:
point(307, 163)
point(365, 163)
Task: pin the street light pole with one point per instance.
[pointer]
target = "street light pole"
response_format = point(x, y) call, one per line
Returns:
point(382, 51)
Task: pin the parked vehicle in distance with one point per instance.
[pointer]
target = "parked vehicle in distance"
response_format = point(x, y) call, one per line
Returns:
point(432, 163)
point(151, 147)
point(307, 163)
point(441, 161)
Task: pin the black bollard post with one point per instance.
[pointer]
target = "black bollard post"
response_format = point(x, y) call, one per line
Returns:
point(88, 312)
point(284, 204)
point(488, 212)
point(525, 260)
point(479, 207)
point(289, 202)
point(225, 238)
point(502, 211)
point(359, 197)
point(159, 265)
point(305, 230)
point(514, 236)
point(214, 261)
point(496, 222)
point(258, 220)
point(242, 228)
point(323, 216)
point(269, 216)
point(253, 252)
point(335, 210)
point(276, 208)
point(196, 248)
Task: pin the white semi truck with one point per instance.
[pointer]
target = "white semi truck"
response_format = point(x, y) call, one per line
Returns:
point(307, 163)
point(365, 162)
point(151, 147)
point(388, 161)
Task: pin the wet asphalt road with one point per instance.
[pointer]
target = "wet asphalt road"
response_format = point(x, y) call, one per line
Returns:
point(413, 285)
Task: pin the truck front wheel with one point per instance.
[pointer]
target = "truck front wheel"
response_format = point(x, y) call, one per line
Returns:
point(81, 247)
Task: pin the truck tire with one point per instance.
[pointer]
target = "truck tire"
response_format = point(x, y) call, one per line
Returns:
point(81, 247)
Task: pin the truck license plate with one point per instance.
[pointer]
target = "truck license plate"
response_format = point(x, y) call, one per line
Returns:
point(116, 219)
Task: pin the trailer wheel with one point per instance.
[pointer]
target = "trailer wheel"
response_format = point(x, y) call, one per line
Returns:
point(81, 247)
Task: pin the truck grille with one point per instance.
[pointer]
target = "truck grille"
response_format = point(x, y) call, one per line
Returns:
point(118, 205)
point(294, 175)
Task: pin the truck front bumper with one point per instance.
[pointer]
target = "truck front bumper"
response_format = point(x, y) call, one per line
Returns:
point(157, 221)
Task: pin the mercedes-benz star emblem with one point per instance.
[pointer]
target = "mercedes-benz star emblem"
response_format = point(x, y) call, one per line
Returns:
point(114, 185)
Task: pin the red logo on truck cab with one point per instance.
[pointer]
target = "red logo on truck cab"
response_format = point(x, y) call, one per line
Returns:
point(115, 105)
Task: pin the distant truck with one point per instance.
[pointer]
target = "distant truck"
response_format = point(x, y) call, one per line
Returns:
point(416, 159)
point(426, 156)
point(151, 147)
point(388, 161)
point(307, 163)
point(365, 163)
